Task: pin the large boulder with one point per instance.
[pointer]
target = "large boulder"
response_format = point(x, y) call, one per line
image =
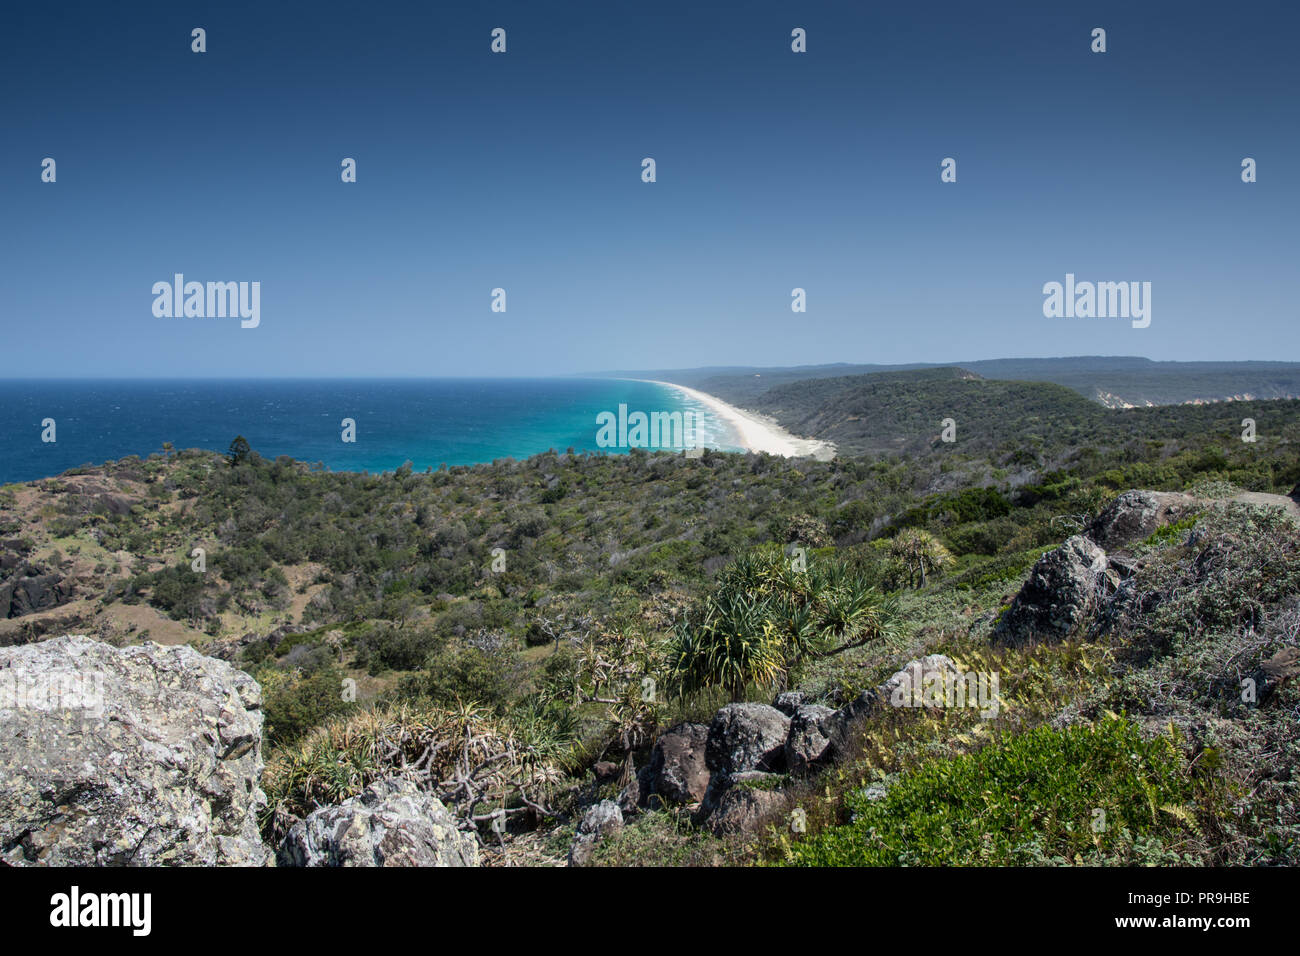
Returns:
point(678, 772)
point(1134, 515)
point(810, 737)
point(1059, 595)
point(744, 806)
point(392, 823)
point(747, 737)
point(600, 821)
point(136, 756)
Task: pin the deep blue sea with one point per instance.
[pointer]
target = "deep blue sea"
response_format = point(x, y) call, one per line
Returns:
point(429, 422)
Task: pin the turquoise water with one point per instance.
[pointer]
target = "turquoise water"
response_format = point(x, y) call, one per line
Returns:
point(429, 422)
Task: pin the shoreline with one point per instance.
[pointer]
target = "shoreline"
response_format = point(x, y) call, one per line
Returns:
point(756, 432)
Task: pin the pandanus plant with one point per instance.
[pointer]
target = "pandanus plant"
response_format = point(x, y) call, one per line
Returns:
point(765, 617)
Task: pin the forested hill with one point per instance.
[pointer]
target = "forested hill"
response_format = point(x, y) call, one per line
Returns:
point(1115, 381)
point(907, 412)
point(1012, 422)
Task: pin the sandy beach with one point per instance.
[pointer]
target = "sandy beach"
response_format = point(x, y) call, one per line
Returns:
point(757, 432)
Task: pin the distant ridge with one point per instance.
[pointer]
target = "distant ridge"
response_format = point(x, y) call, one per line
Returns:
point(1112, 381)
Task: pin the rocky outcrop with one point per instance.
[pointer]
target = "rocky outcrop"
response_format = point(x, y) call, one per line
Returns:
point(138, 756)
point(1065, 585)
point(26, 586)
point(392, 823)
point(1059, 595)
point(599, 822)
point(678, 772)
point(1135, 515)
point(747, 737)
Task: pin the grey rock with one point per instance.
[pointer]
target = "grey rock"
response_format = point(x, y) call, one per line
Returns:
point(678, 771)
point(637, 794)
point(809, 740)
point(136, 756)
point(1134, 515)
point(598, 823)
point(743, 810)
point(789, 701)
point(747, 737)
point(32, 587)
point(1058, 596)
point(392, 823)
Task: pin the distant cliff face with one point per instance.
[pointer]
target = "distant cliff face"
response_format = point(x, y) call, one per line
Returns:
point(136, 756)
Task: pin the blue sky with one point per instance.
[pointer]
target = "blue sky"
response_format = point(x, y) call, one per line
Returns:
point(522, 171)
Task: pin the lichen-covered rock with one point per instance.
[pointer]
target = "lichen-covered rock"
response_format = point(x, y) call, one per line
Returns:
point(742, 808)
point(678, 772)
point(1058, 596)
point(747, 737)
point(809, 740)
point(392, 823)
point(787, 702)
point(1134, 515)
point(599, 822)
point(136, 756)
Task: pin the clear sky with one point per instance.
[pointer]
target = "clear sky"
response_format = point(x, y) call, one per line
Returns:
point(522, 170)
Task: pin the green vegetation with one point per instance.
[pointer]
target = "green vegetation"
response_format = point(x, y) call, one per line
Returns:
point(1090, 794)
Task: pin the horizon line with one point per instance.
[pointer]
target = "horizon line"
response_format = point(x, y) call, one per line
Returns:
point(614, 373)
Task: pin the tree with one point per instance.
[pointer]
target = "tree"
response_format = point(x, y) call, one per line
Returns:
point(918, 553)
point(239, 451)
point(613, 670)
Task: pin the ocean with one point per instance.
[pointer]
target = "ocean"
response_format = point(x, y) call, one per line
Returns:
point(429, 422)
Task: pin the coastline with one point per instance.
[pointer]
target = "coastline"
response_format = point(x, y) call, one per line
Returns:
point(757, 432)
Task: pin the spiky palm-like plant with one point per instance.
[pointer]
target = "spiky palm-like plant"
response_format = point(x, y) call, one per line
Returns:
point(918, 553)
point(765, 617)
